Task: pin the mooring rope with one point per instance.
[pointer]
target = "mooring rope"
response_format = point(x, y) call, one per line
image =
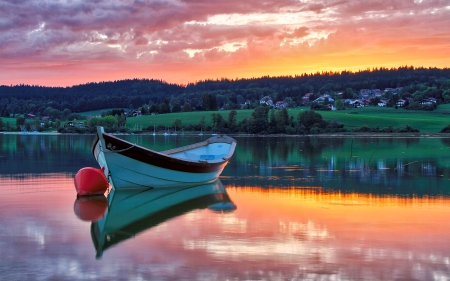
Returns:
point(109, 146)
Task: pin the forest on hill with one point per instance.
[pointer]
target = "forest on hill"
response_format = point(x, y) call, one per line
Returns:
point(151, 95)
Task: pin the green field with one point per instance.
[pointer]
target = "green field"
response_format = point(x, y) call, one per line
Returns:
point(11, 121)
point(384, 117)
point(425, 121)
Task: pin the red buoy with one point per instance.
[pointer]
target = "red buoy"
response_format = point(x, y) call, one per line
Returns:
point(90, 181)
point(90, 208)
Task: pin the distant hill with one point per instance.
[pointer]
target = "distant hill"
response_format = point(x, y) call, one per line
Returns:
point(135, 93)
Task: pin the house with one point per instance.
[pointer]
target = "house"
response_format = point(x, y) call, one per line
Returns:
point(370, 93)
point(136, 113)
point(281, 104)
point(266, 100)
point(400, 102)
point(383, 102)
point(354, 102)
point(428, 101)
point(30, 116)
point(330, 107)
point(394, 91)
point(366, 102)
point(305, 98)
point(322, 99)
point(246, 104)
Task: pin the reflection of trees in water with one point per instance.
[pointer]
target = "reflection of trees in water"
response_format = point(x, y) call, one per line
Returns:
point(268, 149)
point(288, 159)
point(45, 153)
point(312, 147)
point(327, 163)
point(411, 141)
point(446, 141)
point(400, 177)
point(386, 141)
point(264, 161)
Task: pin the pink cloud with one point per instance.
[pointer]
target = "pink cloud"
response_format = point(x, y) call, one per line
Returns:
point(95, 35)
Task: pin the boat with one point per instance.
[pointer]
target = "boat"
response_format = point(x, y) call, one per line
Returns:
point(130, 166)
point(132, 212)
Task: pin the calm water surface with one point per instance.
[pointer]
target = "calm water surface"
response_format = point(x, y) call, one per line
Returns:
point(295, 208)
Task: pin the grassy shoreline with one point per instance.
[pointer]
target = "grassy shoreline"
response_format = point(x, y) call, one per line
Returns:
point(382, 117)
point(324, 135)
point(427, 122)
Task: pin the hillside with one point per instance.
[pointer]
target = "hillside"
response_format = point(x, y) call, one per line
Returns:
point(58, 102)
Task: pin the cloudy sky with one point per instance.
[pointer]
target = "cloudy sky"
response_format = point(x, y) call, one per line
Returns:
point(70, 42)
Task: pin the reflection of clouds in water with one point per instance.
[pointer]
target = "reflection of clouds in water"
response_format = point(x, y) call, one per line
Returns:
point(46, 241)
point(36, 233)
point(28, 227)
point(259, 249)
point(193, 217)
point(229, 223)
point(282, 246)
point(309, 230)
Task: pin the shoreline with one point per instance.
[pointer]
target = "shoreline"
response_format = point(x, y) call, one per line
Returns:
point(340, 134)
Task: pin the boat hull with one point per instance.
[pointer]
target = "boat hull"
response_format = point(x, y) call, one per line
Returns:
point(127, 173)
point(128, 166)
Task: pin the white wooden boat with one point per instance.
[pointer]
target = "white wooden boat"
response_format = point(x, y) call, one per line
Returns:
point(132, 212)
point(130, 166)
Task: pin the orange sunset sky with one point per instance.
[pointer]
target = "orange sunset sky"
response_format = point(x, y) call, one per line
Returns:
point(70, 42)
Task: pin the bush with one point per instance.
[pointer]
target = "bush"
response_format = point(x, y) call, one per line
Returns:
point(290, 130)
point(407, 129)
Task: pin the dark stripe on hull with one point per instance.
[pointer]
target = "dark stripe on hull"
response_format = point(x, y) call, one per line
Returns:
point(151, 157)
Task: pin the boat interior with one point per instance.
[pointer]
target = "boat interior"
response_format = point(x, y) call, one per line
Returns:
point(213, 151)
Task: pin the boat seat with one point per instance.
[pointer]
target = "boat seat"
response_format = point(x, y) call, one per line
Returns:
point(207, 157)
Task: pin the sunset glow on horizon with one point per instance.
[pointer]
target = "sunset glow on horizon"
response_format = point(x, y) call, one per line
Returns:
point(65, 43)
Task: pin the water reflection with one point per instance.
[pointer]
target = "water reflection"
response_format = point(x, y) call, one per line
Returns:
point(90, 208)
point(35, 154)
point(278, 233)
point(131, 212)
point(402, 166)
point(308, 209)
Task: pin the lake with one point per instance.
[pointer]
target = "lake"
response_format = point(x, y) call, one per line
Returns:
point(285, 208)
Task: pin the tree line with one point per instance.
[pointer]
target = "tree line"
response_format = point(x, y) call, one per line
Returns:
point(159, 97)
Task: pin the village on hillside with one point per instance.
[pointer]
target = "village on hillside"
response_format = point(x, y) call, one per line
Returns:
point(366, 97)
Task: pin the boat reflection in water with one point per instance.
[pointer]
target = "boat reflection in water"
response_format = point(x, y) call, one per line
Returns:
point(131, 212)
